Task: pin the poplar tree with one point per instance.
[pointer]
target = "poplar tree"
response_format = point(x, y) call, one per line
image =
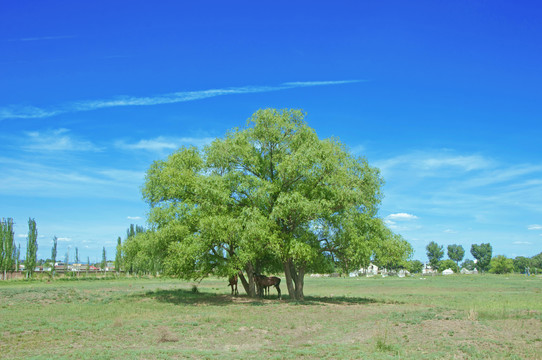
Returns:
point(7, 246)
point(2, 239)
point(53, 254)
point(77, 260)
point(31, 248)
point(104, 259)
point(18, 257)
point(118, 256)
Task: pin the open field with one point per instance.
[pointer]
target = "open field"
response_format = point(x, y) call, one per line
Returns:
point(456, 317)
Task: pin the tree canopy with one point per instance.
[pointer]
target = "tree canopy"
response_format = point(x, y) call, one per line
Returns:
point(482, 254)
point(435, 252)
point(456, 253)
point(271, 197)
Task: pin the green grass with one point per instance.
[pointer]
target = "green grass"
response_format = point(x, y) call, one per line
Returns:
point(456, 317)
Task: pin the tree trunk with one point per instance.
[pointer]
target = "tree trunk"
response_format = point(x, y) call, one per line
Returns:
point(289, 280)
point(294, 280)
point(300, 284)
point(249, 285)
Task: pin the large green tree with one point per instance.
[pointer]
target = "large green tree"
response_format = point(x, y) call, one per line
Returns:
point(269, 197)
point(456, 253)
point(434, 253)
point(482, 254)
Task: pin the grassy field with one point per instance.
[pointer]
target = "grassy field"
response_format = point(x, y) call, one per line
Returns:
point(455, 317)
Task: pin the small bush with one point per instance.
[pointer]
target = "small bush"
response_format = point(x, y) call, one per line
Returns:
point(448, 264)
point(500, 264)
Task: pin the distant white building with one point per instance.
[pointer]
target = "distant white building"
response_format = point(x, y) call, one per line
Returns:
point(402, 273)
point(370, 270)
point(428, 270)
point(448, 272)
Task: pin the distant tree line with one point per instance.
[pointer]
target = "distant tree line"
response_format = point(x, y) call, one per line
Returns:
point(10, 255)
point(142, 253)
point(485, 262)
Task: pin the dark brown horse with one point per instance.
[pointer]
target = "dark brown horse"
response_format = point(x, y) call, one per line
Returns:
point(233, 284)
point(264, 282)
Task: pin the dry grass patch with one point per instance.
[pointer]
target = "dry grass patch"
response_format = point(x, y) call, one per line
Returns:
point(165, 335)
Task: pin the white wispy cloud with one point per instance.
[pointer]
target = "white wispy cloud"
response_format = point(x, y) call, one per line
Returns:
point(42, 38)
point(401, 217)
point(123, 176)
point(357, 150)
point(434, 162)
point(30, 112)
point(163, 143)
point(27, 112)
point(31, 178)
point(401, 222)
point(134, 218)
point(534, 227)
point(56, 140)
point(64, 239)
point(320, 83)
point(522, 243)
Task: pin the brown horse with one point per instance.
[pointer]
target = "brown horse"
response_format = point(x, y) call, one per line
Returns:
point(264, 282)
point(233, 283)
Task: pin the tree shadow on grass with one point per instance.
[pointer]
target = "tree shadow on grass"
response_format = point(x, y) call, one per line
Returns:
point(187, 297)
point(341, 300)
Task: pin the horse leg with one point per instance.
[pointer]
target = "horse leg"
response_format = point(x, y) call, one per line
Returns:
point(278, 289)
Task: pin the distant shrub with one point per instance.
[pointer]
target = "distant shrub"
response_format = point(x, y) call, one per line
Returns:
point(448, 264)
point(415, 266)
point(468, 264)
point(500, 264)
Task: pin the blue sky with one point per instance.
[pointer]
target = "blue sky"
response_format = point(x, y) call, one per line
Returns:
point(443, 97)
